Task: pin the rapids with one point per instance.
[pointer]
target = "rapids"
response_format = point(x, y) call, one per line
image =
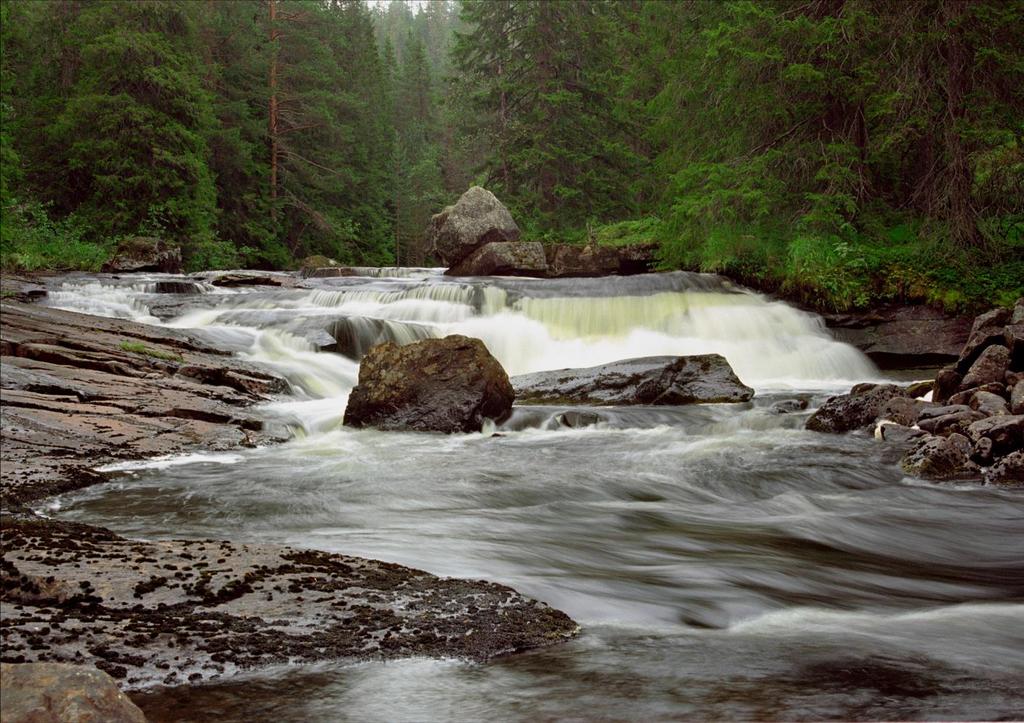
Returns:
point(723, 562)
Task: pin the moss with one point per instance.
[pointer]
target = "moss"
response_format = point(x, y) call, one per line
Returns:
point(137, 347)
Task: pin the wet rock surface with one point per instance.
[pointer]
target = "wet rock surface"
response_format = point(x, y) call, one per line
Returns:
point(59, 692)
point(857, 410)
point(974, 428)
point(80, 391)
point(178, 612)
point(903, 337)
point(705, 378)
point(435, 385)
point(144, 253)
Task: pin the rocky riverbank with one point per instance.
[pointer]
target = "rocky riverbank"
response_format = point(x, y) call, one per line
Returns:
point(78, 392)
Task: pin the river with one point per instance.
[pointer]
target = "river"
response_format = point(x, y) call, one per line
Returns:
point(723, 562)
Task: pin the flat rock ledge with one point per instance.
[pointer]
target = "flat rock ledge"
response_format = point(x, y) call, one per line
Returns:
point(80, 391)
point(178, 612)
point(668, 380)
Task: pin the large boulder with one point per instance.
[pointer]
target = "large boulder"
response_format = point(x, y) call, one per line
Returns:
point(478, 218)
point(1006, 432)
point(1008, 471)
point(857, 410)
point(144, 253)
point(435, 385)
point(988, 329)
point(575, 260)
point(59, 692)
point(707, 378)
point(990, 366)
point(941, 458)
point(503, 258)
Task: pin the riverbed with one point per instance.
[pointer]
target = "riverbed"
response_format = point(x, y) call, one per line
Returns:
point(722, 561)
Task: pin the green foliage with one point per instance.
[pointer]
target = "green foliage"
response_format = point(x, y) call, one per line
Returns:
point(137, 347)
point(30, 240)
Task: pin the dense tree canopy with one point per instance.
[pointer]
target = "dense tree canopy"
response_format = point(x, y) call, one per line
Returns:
point(845, 151)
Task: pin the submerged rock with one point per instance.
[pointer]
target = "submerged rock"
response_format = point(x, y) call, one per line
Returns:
point(61, 693)
point(182, 611)
point(857, 410)
point(144, 253)
point(434, 385)
point(503, 258)
point(476, 219)
point(647, 380)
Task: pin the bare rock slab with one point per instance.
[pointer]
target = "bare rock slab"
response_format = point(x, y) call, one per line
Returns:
point(705, 378)
point(59, 693)
point(185, 611)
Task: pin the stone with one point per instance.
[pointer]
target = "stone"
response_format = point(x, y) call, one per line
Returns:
point(576, 419)
point(186, 611)
point(989, 404)
point(988, 329)
point(920, 389)
point(941, 458)
point(328, 272)
point(857, 410)
point(17, 288)
point(903, 410)
point(990, 366)
point(177, 287)
point(434, 385)
point(1006, 432)
point(1008, 471)
point(1017, 398)
point(903, 337)
point(1017, 315)
point(251, 278)
point(503, 258)
point(967, 395)
point(113, 389)
point(144, 253)
point(898, 433)
point(60, 693)
point(946, 424)
point(788, 406)
point(982, 453)
point(590, 260)
point(668, 380)
point(478, 218)
point(1014, 338)
point(947, 383)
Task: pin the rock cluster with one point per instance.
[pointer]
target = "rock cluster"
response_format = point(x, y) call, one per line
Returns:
point(478, 237)
point(973, 428)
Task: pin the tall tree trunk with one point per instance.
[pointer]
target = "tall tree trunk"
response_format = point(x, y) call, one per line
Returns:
point(273, 109)
point(957, 206)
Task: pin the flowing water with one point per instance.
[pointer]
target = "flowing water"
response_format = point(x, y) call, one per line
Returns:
point(722, 561)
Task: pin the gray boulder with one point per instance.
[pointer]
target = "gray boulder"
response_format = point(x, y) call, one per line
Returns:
point(988, 329)
point(435, 385)
point(903, 410)
point(144, 253)
point(990, 367)
point(669, 380)
point(1017, 398)
point(58, 693)
point(503, 258)
point(476, 219)
point(989, 404)
point(857, 410)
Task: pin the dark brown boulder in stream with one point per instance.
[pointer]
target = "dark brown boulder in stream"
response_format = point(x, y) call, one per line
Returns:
point(670, 380)
point(59, 693)
point(476, 219)
point(857, 410)
point(144, 253)
point(185, 611)
point(434, 385)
